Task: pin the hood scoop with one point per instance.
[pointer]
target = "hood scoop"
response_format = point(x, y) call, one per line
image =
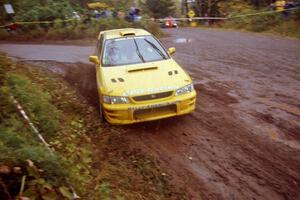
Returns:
point(141, 69)
point(127, 33)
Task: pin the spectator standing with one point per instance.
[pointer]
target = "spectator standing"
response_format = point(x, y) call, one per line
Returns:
point(279, 5)
point(289, 5)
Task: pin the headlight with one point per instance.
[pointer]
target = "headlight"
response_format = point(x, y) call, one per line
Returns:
point(115, 100)
point(184, 90)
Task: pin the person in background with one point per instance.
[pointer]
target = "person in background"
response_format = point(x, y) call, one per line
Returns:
point(279, 5)
point(114, 14)
point(134, 15)
point(288, 6)
point(96, 14)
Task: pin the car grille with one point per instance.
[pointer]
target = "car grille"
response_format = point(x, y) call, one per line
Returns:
point(152, 96)
point(155, 112)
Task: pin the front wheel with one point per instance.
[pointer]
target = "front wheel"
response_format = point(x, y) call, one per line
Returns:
point(101, 113)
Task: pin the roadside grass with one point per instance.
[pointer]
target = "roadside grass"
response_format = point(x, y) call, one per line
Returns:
point(73, 30)
point(274, 23)
point(290, 28)
point(21, 152)
point(94, 157)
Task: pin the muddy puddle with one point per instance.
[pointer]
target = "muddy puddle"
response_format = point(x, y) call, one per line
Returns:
point(182, 40)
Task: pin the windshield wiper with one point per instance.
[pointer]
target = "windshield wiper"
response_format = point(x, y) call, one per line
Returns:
point(138, 51)
point(156, 48)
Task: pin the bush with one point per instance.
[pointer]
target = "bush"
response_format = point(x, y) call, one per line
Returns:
point(54, 166)
point(36, 102)
point(18, 143)
point(75, 29)
point(39, 10)
point(270, 22)
point(289, 28)
point(264, 22)
point(150, 26)
point(257, 23)
point(16, 148)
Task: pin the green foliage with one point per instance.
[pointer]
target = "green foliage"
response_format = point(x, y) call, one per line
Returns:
point(256, 23)
point(264, 22)
point(36, 102)
point(290, 28)
point(119, 4)
point(38, 187)
point(9, 136)
point(81, 30)
point(53, 165)
point(3, 67)
point(150, 26)
point(104, 191)
point(110, 23)
point(65, 192)
point(32, 10)
point(16, 148)
point(267, 22)
point(160, 8)
point(58, 10)
point(60, 30)
point(17, 144)
point(235, 7)
point(20, 145)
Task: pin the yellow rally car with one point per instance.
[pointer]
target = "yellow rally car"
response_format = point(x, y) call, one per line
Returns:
point(137, 78)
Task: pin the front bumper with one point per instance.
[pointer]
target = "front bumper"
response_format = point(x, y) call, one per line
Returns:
point(150, 110)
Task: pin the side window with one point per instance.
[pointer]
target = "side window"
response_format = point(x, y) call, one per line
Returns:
point(99, 46)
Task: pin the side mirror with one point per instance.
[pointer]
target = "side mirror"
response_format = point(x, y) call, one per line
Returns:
point(171, 50)
point(94, 59)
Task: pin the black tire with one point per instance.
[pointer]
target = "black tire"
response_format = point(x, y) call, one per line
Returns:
point(101, 113)
point(100, 109)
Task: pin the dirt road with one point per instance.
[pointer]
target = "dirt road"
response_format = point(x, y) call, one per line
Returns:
point(58, 53)
point(243, 141)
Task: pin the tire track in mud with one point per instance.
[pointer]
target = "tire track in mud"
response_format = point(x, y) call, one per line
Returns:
point(233, 157)
point(228, 162)
point(250, 151)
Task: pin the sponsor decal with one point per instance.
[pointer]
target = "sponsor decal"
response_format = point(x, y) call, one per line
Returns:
point(153, 106)
point(136, 92)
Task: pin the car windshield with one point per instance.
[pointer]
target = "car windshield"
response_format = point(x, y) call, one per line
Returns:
point(132, 50)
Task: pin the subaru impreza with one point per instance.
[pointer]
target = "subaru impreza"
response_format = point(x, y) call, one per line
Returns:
point(137, 78)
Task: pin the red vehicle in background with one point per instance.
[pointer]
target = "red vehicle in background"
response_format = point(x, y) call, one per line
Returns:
point(11, 27)
point(169, 22)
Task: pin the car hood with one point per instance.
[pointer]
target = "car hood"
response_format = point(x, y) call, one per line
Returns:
point(145, 78)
